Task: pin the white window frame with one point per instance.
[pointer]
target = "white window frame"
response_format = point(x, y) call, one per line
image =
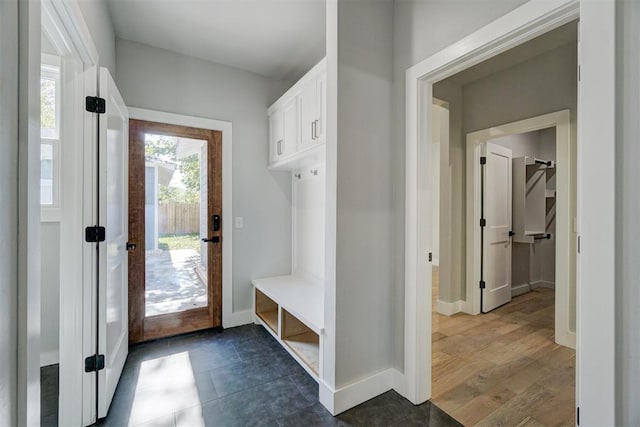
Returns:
point(51, 69)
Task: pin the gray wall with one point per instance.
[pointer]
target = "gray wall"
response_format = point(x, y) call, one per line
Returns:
point(364, 317)
point(160, 80)
point(8, 211)
point(422, 28)
point(627, 208)
point(96, 15)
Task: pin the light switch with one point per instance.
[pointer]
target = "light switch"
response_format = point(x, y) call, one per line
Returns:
point(239, 222)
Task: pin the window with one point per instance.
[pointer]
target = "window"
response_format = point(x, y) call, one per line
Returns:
point(50, 133)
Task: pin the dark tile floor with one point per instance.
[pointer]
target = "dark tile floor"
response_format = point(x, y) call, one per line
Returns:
point(239, 377)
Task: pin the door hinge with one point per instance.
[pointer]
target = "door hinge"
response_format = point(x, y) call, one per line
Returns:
point(430, 257)
point(483, 222)
point(578, 244)
point(94, 234)
point(482, 284)
point(483, 160)
point(95, 104)
point(94, 363)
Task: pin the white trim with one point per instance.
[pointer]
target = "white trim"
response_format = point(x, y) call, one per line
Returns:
point(565, 259)
point(449, 308)
point(229, 317)
point(239, 318)
point(49, 358)
point(596, 307)
point(543, 284)
point(436, 262)
point(63, 23)
point(520, 289)
point(596, 132)
point(346, 397)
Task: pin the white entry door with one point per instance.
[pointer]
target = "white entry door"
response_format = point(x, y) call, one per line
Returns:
point(496, 245)
point(113, 325)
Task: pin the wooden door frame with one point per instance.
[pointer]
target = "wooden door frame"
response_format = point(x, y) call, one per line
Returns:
point(140, 327)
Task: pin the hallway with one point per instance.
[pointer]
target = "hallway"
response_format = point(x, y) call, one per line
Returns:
point(503, 367)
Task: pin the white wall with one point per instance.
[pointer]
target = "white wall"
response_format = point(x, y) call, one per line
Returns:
point(309, 223)
point(364, 253)
point(160, 80)
point(50, 288)
point(8, 212)
point(627, 208)
point(96, 15)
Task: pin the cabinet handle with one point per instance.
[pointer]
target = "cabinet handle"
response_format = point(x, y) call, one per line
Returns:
point(317, 122)
point(313, 132)
point(279, 147)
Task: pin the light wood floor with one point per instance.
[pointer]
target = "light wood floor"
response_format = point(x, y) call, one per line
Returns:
point(503, 368)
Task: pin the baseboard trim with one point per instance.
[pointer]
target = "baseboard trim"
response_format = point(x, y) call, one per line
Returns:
point(351, 395)
point(436, 262)
point(49, 358)
point(238, 318)
point(520, 289)
point(449, 308)
point(543, 284)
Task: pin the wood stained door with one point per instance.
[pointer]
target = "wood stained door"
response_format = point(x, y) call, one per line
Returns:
point(146, 324)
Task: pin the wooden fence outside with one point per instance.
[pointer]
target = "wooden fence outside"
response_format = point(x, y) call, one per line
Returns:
point(179, 218)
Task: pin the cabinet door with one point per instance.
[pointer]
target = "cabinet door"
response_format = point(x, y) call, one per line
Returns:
point(321, 124)
point(308, 114)
point(276, 135)
point(290, 126)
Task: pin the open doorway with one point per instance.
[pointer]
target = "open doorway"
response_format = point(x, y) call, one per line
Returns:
point(495, 353)
point(175, 199)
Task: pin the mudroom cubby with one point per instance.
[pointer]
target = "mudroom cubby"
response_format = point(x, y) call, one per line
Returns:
point(291, 309)
point(267, 311)
point(291, 306)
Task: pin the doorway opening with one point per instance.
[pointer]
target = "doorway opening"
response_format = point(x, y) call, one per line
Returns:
point(175, 215)
point(507, 202)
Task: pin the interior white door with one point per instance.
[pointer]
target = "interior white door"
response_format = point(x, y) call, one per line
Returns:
point(496, 241)
point(113, 188)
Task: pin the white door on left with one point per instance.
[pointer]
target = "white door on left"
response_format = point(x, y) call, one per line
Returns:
point(496, 244)
point(113, 324)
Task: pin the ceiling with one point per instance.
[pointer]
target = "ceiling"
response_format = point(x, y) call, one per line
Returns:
point(281, 39)
point(547, 42)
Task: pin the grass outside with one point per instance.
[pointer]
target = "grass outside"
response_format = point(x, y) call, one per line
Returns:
point(170, 242)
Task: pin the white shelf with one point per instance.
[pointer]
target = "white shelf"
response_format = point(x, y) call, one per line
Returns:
point(301, 159)
point(298, 296)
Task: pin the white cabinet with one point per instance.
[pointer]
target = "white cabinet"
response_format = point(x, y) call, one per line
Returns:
point(283, 124)
point(313, 111)
point(297, 123)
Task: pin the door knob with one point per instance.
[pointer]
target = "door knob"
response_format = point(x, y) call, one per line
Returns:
point(130, 246)
point(214, 239)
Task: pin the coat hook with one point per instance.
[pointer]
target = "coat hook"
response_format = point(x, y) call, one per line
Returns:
point(297, 175)
point(314, 172)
